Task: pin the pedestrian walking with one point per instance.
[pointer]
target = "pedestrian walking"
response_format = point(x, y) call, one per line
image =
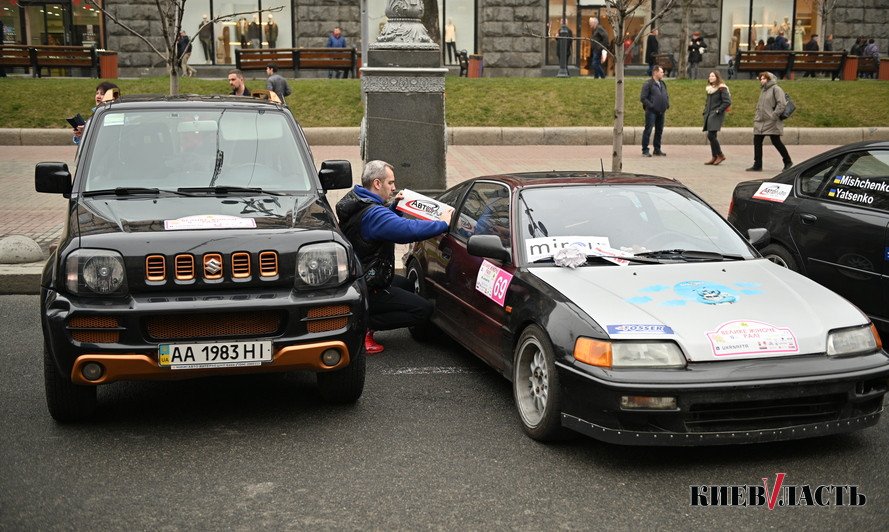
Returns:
point(372, 225)
point(276, 83)
point(183, 50)
point(652, 47)
point(598, 44)
point(655, 102)
point(718, 101)
point(696, 49)
point(767, 120)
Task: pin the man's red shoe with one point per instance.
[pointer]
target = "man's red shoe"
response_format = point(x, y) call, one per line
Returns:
point(371, 346)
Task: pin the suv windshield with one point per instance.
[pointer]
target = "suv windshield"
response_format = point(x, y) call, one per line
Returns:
point(633, 219)
point(196, 148)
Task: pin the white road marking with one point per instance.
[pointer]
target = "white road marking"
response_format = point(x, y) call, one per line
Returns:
point(430, 370)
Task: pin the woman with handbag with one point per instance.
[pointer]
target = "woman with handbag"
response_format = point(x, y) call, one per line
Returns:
point(719, 100)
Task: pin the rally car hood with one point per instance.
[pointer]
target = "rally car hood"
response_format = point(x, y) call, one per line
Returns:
point(714, 310)
point(145, 213)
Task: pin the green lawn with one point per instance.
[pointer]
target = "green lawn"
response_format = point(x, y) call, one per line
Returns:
point(525, 102)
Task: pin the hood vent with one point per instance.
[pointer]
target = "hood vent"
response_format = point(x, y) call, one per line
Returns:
point(184, 267)
point(240, 265)
point(155, 268)
point(268, 264)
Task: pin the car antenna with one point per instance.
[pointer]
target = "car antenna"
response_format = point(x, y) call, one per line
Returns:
point(602, 166)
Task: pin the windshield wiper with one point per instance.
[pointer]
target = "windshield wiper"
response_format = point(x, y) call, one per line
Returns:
point(689, 255)
point(227, 189)
point(636, 259)
point(132, 191)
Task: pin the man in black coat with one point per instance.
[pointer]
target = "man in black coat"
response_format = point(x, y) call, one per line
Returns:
point(651, 50)
point(655, 102)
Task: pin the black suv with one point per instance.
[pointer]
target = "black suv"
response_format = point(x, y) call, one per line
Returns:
point(198, 241)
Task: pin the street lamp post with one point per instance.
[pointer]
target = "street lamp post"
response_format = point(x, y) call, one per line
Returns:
point(562, 47)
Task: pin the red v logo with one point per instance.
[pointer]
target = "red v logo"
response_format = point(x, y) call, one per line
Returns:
point(772, 496)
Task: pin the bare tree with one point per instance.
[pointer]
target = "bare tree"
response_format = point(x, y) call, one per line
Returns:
point(619, 14)
point(825, 9)
point(170, 17)
point(685, 6)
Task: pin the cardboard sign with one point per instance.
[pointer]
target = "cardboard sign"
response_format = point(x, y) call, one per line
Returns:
point(424, 207)
point(209, 221)
point(776, 192)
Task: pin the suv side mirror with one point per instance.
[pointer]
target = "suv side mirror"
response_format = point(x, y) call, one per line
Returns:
point(53, 178)
point(488, 246)
point(758, 237)
point(335, 174)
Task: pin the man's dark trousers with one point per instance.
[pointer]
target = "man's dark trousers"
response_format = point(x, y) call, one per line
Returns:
point(655, 120)
point(397, 306)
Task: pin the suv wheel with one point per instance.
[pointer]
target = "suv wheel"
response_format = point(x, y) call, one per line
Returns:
point(67, 402)
point(345, 385)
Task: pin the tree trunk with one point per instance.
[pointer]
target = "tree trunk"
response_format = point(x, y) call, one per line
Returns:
point(174, 76)
point(618, 138)
point(683, 39)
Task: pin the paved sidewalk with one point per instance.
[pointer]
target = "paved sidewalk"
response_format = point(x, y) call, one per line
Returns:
point(40, 216)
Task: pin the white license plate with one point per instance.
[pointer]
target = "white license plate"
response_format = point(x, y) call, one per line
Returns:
point(214, 354)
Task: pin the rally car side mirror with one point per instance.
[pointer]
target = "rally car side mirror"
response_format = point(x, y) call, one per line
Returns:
point(335, 174)
point(54, 178)
point(488, 246)
point(758, 237)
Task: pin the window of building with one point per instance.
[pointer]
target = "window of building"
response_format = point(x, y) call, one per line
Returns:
point(747, 22)
point(12, 24)
point(252, 29)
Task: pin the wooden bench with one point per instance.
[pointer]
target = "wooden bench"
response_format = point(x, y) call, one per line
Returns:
point(667, 62)
point(65, 57)
point(259, 58)
point(463, 60)
point(756, 61)
point(15, 55)
point(815, 62)
point(345, 59)
point(868, 67)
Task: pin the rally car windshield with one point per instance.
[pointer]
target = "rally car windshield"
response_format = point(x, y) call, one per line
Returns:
point(643, 221)
point(208, 149)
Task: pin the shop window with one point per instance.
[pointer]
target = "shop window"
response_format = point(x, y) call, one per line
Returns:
point(747, 22)
point(578, 14)
point(12, 24)
point(254, 29)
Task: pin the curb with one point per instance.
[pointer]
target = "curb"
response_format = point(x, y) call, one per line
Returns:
point(21, 278)
point(523, 136)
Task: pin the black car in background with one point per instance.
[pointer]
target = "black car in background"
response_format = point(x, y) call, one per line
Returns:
point(828, 218)
point(198, 241)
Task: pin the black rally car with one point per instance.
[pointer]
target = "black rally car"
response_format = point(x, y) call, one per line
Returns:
point(198, 241)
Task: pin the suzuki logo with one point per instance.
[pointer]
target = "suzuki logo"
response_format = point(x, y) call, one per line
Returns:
point(213, 266)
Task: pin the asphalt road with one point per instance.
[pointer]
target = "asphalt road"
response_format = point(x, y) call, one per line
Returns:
point(433, 443)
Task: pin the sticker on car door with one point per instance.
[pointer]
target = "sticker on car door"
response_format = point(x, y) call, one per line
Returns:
point(493, 282)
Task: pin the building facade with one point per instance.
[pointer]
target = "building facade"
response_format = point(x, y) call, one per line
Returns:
point(513, 36)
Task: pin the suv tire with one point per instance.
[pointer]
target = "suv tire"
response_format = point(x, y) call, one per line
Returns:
point(67, 402)
point(344, 386)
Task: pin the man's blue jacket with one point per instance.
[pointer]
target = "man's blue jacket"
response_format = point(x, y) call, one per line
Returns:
point(383, 223)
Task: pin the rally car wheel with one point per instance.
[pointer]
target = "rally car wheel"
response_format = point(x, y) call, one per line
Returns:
point(345, 385)
point(67, 402)
point(426, 331)
point(780, 256)
point(535, 386)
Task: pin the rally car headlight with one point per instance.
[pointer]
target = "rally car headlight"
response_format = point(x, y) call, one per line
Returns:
point(628, 354)
point(853, 341)
point(322, 265)
point(95, 272)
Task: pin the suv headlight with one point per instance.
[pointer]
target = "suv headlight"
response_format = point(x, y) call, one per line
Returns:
point(853, 341)
point(321, 265)
point(95, 272)
point(628, 354)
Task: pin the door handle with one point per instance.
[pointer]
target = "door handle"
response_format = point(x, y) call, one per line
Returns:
point(446, 253)
point(808, 218)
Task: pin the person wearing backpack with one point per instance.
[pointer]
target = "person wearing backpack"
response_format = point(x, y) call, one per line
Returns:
point(767, 120)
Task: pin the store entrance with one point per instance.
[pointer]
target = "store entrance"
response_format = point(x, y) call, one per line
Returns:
point(583, 47)
point(47, 24)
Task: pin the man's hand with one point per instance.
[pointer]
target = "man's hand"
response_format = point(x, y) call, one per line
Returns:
point(78, 131)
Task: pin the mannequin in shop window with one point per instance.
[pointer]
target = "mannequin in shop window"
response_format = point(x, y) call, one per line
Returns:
point(798, 33)
point(254, 33)
point(205, 35)
point(241, 30)
point(271, 32)
point(450, 38)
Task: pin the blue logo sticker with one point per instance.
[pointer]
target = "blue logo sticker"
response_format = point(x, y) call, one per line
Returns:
point(639, 328)
point(706, 292)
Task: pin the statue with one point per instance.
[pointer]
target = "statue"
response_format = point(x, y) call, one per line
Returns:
point(404, 29)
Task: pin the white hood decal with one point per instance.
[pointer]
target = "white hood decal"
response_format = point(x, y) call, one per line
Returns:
point(713, 310)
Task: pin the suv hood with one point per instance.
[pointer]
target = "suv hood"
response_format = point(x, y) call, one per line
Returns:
point(108, 214)
point(714, 311)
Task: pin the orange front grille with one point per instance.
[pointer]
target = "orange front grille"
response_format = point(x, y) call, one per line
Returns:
point(315, 325)
point(184, 267)
point(240, 265)
point(155, 268)
point(96, 337)
point(212, 266)
point(268, 264)
point(94, 322)
point(222, 325)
